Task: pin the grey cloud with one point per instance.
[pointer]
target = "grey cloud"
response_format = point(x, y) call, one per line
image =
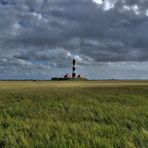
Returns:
point(47, 32)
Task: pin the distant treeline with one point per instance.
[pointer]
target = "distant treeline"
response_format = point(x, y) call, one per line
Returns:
point(72, 79)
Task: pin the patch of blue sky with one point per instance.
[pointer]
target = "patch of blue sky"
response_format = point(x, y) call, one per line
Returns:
point(38, 62)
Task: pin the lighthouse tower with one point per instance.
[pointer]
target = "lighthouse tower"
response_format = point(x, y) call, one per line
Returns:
point(74, 69)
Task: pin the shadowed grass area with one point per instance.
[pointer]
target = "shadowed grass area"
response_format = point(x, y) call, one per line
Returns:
point(74, 114)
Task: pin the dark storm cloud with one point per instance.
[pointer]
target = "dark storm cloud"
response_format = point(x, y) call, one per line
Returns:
point(47, 32)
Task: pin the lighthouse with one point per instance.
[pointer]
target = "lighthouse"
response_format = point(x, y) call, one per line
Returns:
point(74, 69)
point(72, 76)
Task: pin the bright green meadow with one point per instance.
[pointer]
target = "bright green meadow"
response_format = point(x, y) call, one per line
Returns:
point(73, 114)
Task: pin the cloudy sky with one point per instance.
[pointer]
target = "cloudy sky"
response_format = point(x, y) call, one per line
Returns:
point(39, 38)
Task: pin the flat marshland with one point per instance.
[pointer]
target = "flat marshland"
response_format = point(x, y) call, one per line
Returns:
point(74, 114)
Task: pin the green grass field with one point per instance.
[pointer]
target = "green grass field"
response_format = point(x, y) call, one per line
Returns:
point(107, 114)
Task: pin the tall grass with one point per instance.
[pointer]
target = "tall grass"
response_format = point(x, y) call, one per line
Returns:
point(74, 114)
